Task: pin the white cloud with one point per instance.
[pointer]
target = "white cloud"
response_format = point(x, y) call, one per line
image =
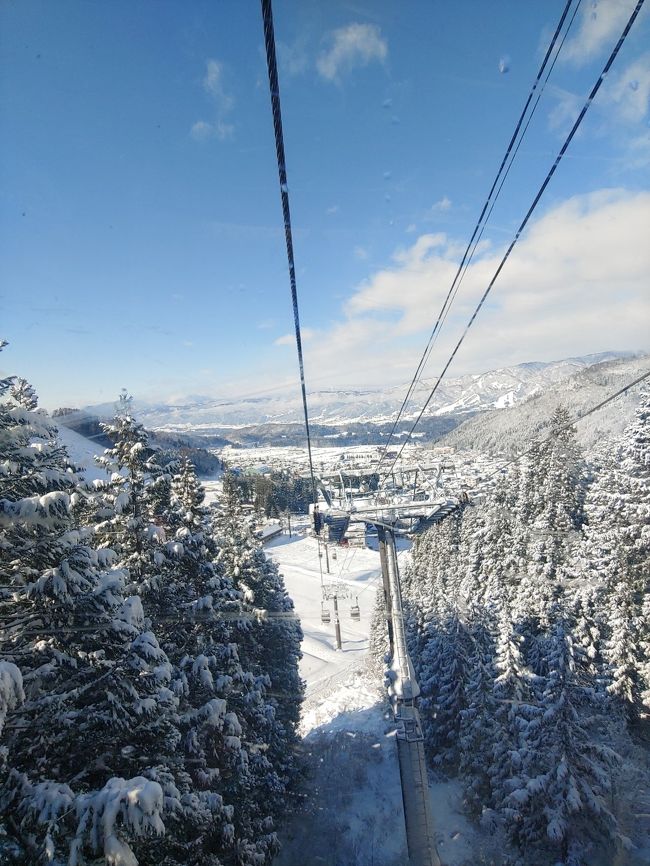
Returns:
point(223, 103)
point(566, 110)
point(638, 155)
point(350, 47)
point(203, 130)
point(629, 92)
point(600, 25)
point(306, 334)
point(293, 58)
point(444, 204)
point(213, 84)
point(334, 209)
point(575, 283)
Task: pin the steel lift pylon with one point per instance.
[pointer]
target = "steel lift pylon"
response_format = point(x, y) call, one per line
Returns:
point(404, 691)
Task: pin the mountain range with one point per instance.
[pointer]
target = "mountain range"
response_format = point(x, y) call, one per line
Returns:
point(461, 396)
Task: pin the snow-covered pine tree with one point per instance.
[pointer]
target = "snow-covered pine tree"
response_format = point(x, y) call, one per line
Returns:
point(97, 704)
point(586, 629)
point(442, 677)
point(634, 458)
point(623, 652)
point(527, 505)
point(511, 693)
point(498, 567)
point(613, 559)
point(563, 792)
point(226, 722)
point(559, 512)
point(378, 645)
point(470, 553)
point(131, 505)
point(269, 637)
point(479, 729)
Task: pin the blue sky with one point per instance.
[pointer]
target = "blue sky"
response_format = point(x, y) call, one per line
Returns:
point(140, 213)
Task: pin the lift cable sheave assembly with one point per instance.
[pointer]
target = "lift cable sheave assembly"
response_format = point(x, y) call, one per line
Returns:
point(525, 221)
point(490, 201)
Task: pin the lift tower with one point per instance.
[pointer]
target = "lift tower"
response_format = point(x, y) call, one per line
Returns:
point(403, 687)
point(404, 691)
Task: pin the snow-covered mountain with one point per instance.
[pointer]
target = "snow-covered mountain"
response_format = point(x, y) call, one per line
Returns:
point(463, 395)
point(512, 430)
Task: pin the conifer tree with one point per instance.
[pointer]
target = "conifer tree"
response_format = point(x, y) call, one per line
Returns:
point(131, 508)
point(225, 762)
point(270, 636)
point(442, 682)
point(91, 673)
point(378, 645)
point(479, 730)
point(563, 794)
point(623, 652)
point(560, 510)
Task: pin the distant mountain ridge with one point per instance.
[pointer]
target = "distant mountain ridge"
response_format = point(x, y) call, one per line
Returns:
point(464, 395)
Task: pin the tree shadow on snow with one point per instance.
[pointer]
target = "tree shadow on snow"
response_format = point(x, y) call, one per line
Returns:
point(352, 810)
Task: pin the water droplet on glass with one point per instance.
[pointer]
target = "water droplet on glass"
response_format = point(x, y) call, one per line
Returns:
point(504, 64)
point(386, 197)
point(387, 175)
point(634, 85)
point(284, 187)
point(387, 103)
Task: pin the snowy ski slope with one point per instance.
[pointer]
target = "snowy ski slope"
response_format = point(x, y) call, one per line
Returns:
point(353, 810)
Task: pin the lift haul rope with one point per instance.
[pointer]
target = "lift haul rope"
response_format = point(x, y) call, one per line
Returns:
point(526, 219)
point(269, 40)
point(475, 238)
point(274, 87)
point(445, 312)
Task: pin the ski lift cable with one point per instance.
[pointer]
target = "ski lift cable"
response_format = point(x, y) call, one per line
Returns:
point(274, 87)
point(525, 221)
point(449, 301)
point(489, 203)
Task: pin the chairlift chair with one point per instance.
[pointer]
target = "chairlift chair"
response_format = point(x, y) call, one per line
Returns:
point(325, 616)
point(355, 613)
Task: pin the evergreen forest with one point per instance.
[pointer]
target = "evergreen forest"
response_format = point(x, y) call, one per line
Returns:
point(529, 628)
point(149, 686)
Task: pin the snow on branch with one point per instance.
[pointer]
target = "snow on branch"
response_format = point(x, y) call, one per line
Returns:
point(134, 804)
point(11, 689)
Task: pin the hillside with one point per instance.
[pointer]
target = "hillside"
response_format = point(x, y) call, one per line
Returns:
point(510, 430)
